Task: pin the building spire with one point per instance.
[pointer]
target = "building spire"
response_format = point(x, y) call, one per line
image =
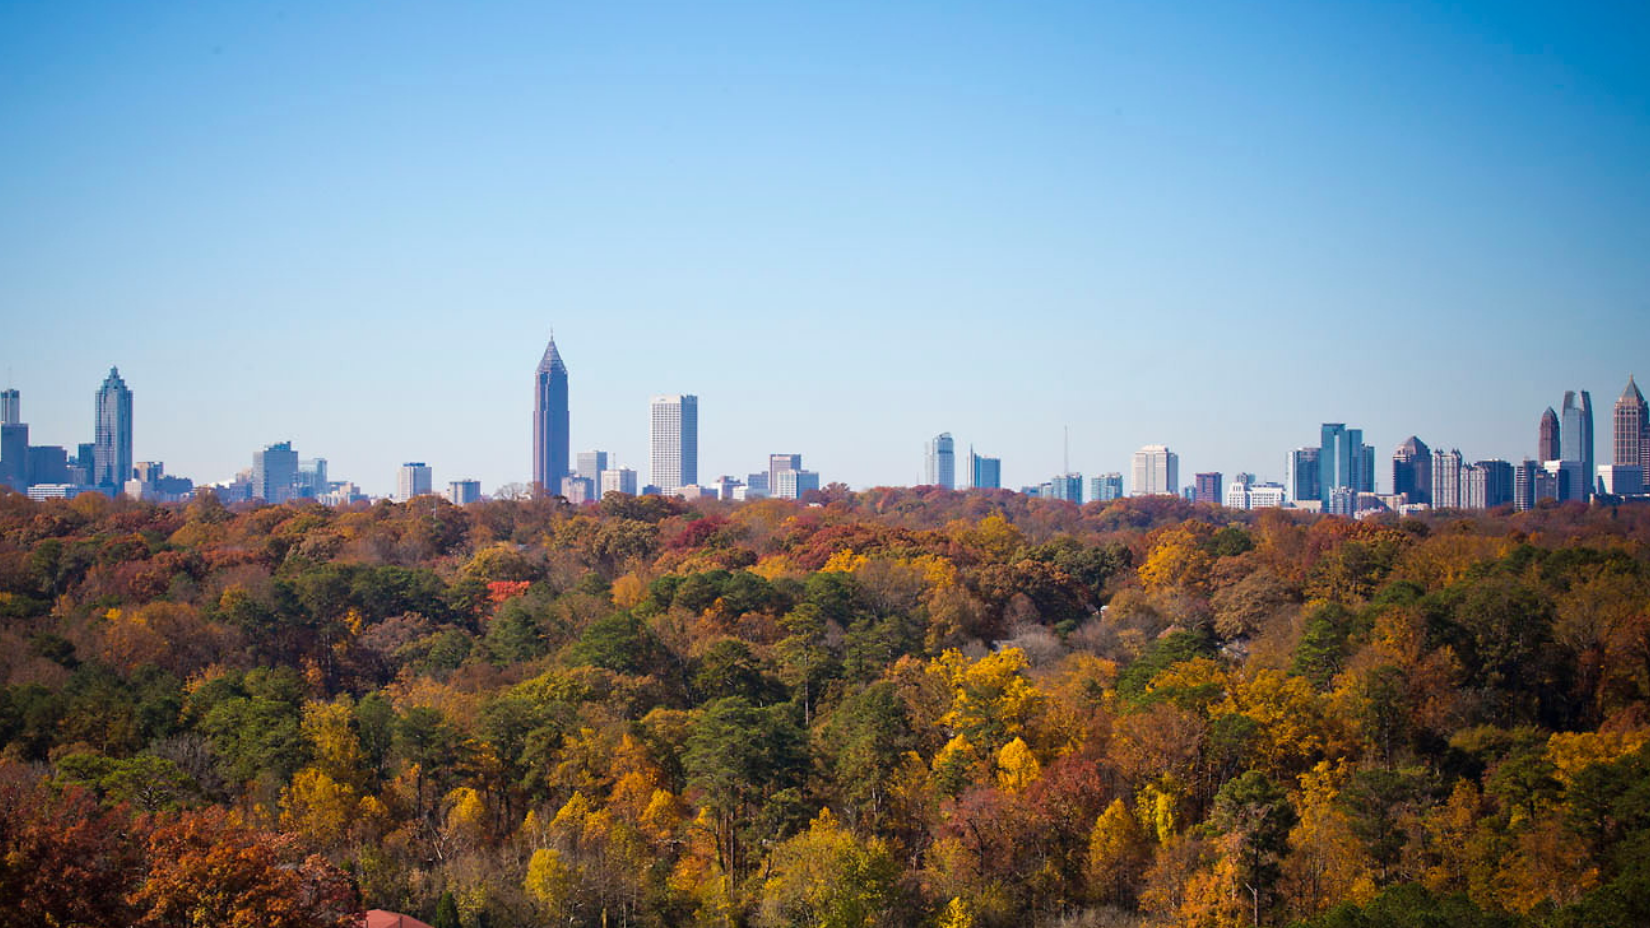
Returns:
point(552, 358)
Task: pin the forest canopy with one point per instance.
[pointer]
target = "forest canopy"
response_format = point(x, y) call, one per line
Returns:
point(899, 707)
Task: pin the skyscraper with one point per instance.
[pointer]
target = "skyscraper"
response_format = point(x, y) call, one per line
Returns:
point(591, 465)
point(1156, 472)
point(113, 433)
point(1344, 461)
point(1068, 487)
point(416, 479)
point(1446, 479)
point(1301, 475)
point(1208, 487)
point(778, 464)
point(1576, 439)
point(794, 483)
point(1525, 476)
point(1106, 487)
point(463, 492)
point(1632, 429)
point(274, 472)
point(550, 428)
point(1412, 470)
point(14, 456)
point(674, 443)
point(1547, 445)
point(1487, 484)
point(984, 473)
point(619, 480)
point(940, 462)
point(11, 407)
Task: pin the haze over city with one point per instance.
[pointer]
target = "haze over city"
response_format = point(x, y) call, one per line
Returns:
point(354, 227)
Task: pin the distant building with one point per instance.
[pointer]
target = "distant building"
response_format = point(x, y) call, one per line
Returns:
point(274, 473)
point(619, 480)
point(1343, 501)
point(550, 422)
point(1412, 471)
point(1524, 481)
point(725, 487)
point(150, 482)
point(463, 492)
point(14, 456)
point(694, 491)
point(44, 491)
point(984, 473)
point(1344, 461)
point(1106, 487)
point(674, 441)
point(311, 481)
point(1156, 472)
point(49, 464)
point(778, 464)
point(1068, 487)
point(1547, 445)
point(1576, 438)
point(1301, 475)
point(1208, 487)
point(1621, 479)
point(113, 433)
point(11, 407)
point(591, 464)
point(940, 462)
point(1446, 479)
point(794, 483)
point(1569, 481)
point(1487, 484)
point(413, 479)
point(1632, 430)
point(343, 493)
point(1267, 496)
point(757, 484)
point(578, 490)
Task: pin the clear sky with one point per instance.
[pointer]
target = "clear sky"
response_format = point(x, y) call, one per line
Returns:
point(844, 226)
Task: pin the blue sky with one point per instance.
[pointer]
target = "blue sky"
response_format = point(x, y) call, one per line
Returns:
point(845, 226)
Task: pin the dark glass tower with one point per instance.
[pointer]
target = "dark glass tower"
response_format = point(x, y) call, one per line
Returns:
point(550, 439)
point(112, 447)
point(1547, 447)
point(1412, 470)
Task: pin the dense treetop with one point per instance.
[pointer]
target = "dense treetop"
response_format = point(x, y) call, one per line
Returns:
point(894, 707)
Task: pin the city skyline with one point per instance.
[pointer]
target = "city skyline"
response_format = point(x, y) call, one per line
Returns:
point(826, 224)
point(1364, 467)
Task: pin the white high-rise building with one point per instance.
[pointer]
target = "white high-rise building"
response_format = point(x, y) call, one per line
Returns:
point(463, 492)
point(940, 462)
point(794, 483)
point(1446, 480)
point(1156, 472)
point(414, 479)
point(619, 480)
point(674, 442)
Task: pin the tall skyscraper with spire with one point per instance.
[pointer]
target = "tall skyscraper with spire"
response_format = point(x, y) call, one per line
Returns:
point(1546, 445)
point(550, 428)
point(1632, 430)
point(112, 434)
